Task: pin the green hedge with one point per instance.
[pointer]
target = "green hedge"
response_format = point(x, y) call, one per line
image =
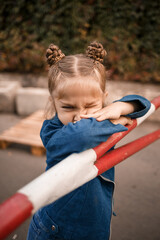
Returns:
point(129, 30)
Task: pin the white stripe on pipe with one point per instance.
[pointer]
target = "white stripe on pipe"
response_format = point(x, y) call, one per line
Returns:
point(61, 179)
point(150, 111)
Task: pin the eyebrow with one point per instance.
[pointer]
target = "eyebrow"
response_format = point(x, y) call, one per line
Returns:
point(69, 104)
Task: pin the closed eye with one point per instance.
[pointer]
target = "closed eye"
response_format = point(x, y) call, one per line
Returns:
point(68, 107)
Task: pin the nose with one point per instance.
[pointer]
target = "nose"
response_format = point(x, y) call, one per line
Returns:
point(76, 118)
point(78, 114)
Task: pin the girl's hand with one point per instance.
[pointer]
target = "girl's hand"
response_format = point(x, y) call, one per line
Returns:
point(112, 111)
point(122, 120)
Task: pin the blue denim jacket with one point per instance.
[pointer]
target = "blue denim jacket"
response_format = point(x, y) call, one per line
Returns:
point(85, 213)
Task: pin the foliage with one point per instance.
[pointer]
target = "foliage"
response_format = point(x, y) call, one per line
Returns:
point(129, 30)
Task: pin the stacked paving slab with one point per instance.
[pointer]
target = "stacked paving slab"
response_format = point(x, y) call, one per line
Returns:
point(23, 101)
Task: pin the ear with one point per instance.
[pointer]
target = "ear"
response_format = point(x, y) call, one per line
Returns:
point(50, 98)
point(105, 97)
point(105, 94)
point(52, 104)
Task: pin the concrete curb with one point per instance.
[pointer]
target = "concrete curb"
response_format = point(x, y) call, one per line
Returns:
point(29, 100)
point(8, 92)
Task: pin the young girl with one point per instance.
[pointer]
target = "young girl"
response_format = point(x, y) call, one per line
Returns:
point(77, 95)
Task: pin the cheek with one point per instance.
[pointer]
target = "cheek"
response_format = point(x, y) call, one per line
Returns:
point(65, 117)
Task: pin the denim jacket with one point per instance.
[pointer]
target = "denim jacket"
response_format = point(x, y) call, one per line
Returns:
point(85, 213)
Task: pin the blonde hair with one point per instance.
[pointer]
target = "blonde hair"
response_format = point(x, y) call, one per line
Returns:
point(63, 69)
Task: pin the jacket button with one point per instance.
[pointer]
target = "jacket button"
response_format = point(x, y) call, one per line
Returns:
point(53, 228)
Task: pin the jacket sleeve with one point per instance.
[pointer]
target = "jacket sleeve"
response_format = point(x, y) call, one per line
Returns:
point(64, 140)
point(144, 105)
point(75, 138)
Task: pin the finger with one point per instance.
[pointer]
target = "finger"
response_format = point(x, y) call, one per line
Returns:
point(129, 121)
point(94, 115)
point(101, 118)
point(113, 121)
point(84, 116)
point(122, 120)
point(106, 116)
point(126, 122)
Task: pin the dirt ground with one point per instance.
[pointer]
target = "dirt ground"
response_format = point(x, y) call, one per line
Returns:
point(137, 193)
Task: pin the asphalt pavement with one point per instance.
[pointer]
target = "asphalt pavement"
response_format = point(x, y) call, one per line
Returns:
point(137, 192)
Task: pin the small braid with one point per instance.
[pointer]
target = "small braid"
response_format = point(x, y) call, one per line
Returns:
point(96, 51)
point(54, 54)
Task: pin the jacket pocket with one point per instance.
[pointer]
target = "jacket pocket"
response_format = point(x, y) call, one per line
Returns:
point(43, 227)
point(46, 223)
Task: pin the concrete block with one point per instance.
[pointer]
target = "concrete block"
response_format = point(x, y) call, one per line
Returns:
point(29, 100)
point(27, 80)
point(8, 90)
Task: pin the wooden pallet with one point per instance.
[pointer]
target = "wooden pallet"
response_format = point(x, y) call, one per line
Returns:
point(25, 132)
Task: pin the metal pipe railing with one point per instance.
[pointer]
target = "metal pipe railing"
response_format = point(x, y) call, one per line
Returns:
point(85, 166)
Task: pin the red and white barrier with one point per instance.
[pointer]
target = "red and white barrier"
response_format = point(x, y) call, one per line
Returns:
point(118, 155)
point(69, 174)
point(105, 146)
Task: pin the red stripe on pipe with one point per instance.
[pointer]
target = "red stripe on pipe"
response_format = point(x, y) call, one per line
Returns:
point(13, 212)
point(112, 140)
point(105, 146)
point(118, 155)
point(156, 102)
point(18, 208)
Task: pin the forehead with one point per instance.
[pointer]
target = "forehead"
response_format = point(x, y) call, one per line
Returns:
point(79, 87)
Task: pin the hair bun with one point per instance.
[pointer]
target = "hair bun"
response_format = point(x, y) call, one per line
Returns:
point(96, 51)
point(54, 54)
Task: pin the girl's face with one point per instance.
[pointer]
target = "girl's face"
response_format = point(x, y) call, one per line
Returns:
point(78, 99)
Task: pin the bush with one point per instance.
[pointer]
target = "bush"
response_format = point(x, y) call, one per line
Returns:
point(129, 30)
